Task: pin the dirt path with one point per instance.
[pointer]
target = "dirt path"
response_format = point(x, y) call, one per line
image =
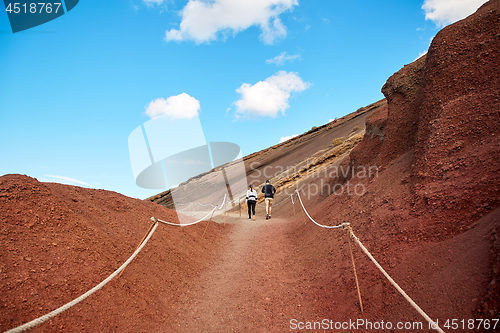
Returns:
point(254, 287)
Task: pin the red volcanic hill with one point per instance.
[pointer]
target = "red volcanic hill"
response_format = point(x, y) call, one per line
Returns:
point(59, 241)
point(429, 213)
point(432, 212)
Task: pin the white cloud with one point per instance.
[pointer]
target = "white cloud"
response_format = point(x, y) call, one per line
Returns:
point(420, 55)
point(64, 180)
point(282, 57)
point(443, 12)
point(181, 106)
point(286, 138)
point(153, 2)
point(267, 98)
point(202, 20)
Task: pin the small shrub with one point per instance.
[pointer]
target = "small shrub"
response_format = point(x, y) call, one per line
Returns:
point(313, 128)
point(356, 128)
point(337, 142)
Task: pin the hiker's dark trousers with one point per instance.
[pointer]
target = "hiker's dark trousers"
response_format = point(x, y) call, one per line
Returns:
point(251, 208)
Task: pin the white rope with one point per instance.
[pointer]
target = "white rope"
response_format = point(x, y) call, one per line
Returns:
point(223, 202)
point(398, 288)
point(199, 203)
point(279, 203)
point(274, 205)
point(48, 316)
point(42, 319)
point(195, 222)
point(344, 225)
point(186, 224)
point(185, 209)
point(320, 225)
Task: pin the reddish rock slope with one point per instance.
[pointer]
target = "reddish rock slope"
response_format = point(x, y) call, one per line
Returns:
point(59, 241)
point(437, 148)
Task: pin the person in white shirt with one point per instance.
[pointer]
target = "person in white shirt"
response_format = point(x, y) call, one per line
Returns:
point(251, 201)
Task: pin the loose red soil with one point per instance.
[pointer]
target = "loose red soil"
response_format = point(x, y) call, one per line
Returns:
point(60, 241)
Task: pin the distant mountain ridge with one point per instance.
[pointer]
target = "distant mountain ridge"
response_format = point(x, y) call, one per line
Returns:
point(270, 162)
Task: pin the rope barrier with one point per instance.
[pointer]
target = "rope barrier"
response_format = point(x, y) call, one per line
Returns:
point(50, 315)
point(355, 274)
point(310, 218)
point(398, 288)
point(279, 203)
point(195, 222)
point(198, 203)
point(347, 227)
point(42, 319)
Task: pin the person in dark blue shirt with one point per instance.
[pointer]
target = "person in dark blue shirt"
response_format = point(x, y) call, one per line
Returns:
point(269, 192)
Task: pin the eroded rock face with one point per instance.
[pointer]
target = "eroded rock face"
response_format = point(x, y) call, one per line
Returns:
point(445, 109)
point(403, 91)
point(391, 130)
point(367, 152)
point(457, 148)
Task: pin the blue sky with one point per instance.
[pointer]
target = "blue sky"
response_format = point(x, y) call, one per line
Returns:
point(72, 90)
